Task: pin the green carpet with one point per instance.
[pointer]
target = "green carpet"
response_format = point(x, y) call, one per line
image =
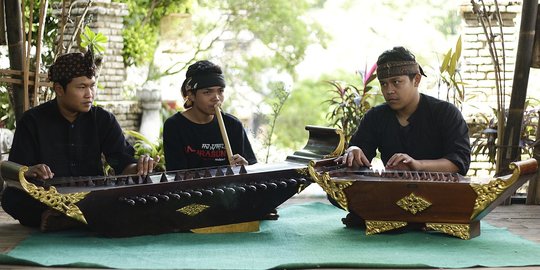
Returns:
point(305, 236)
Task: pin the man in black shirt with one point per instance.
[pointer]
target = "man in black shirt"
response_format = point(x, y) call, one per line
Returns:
point(412, 131)
point(67, 136)
point(192, 138)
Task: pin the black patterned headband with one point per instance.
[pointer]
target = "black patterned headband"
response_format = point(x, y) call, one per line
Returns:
point(398, 68)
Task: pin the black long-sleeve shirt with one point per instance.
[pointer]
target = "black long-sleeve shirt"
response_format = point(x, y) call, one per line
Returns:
point(436, 130)
point(43, 135)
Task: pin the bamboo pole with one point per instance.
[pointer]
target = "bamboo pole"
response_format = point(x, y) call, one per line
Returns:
point(42, 16)
point(60, 46)
point(15, 35)
point(224, 134)
point(27, 41)
point(6, 76)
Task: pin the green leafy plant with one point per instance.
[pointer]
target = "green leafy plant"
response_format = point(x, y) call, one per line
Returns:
point(143, 146)
point(484, 132)
point(450, 76)
point(142, 27)
point(7, 115)
point(279, 96)
point(349, 103)
point(97, 40)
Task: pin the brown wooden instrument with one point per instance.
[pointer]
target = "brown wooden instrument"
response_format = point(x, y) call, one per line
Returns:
point(444, 202)
point(175, 201)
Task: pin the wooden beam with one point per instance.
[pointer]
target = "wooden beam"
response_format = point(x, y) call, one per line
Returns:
point(42, 16)
point(15, 45)
point(510, 150)
point(3, 40)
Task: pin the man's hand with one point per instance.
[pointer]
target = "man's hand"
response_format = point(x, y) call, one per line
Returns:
point(39, 171)
point(401, 161)
point(146, 164)
point(354, 156)
point(238, 160)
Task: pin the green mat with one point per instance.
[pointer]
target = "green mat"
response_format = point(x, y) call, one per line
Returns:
point(305, 236)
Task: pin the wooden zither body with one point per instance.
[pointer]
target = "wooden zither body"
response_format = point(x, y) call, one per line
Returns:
point(444, 202)
point(175, 201)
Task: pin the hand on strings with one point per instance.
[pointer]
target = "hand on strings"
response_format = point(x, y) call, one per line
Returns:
point(238, 160)
point(146, 164)
point(401, 161)
point(353, 156)
point(39, 171)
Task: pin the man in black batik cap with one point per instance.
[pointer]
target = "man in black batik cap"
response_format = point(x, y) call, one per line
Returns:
point(411, 130)
point(67, 136)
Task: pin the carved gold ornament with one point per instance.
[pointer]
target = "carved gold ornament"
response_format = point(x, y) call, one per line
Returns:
point(413, 204)
point(488, 192)
point(64, 203)
point(303, 171)
point(341, 145)
point(193, 209)
point(374, 226)
point(459, 230)
point(332, 188)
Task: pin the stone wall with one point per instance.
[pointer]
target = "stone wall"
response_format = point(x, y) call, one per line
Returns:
point(107, 18)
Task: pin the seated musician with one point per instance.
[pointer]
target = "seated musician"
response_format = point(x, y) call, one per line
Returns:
point(412, 131)
point(67, 136)
point(192, 138)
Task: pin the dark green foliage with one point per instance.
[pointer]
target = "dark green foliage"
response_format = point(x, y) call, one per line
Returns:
point(142, 27)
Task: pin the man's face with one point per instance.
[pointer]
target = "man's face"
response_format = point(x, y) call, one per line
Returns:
point(78, 95)
point(205, 99)
point(400, 91)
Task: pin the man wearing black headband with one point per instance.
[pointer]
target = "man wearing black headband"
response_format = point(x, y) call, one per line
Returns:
point(67, 136)
point(192, 138)
point(412, 131)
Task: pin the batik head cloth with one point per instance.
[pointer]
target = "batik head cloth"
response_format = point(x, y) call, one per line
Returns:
point(398, 68)
point(72, 65)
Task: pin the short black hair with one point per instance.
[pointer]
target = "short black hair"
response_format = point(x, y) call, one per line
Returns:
point(395, 54)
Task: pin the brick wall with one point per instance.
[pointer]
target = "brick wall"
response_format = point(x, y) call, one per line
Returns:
point(107, 18)
point(477, 68)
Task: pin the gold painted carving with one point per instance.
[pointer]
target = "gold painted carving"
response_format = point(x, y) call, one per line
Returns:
point(250, 226)
point(487, 193)
point(64, 203)
point(303, 171)
point(193, 209)
point(331, 187)
point(459, 230)
point(413, 204)
point(374, 226)
point(341, 145)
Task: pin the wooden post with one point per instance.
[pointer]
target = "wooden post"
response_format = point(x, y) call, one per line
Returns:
point(42, 16)
point(533, 192)
point(512, 131)
point(3, 40)
point(16, 55)
point(535, 59)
